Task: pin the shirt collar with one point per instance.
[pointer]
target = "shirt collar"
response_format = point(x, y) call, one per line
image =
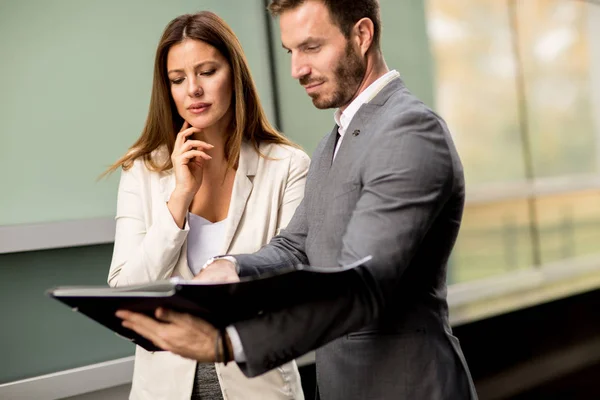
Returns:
point(343, 119)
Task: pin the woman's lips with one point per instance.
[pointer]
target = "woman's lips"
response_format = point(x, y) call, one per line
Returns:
point(198, 108)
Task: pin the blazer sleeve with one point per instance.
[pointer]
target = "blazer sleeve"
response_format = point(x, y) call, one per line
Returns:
point(143, 253)
point(407, 177)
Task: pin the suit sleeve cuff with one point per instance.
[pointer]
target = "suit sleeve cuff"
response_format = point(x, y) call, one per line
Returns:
point(238, 352)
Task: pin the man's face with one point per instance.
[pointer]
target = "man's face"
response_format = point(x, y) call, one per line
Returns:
point(326, 64)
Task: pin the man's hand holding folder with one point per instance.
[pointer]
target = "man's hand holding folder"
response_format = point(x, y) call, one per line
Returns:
point(184, 334)
point(179, 333)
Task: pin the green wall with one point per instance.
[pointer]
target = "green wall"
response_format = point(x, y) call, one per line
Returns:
point(39, 335)
point(75, 82)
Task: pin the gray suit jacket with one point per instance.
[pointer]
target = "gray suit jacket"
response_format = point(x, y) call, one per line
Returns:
point(395, 191)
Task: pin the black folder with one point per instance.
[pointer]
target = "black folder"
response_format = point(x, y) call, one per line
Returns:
point(220, 304)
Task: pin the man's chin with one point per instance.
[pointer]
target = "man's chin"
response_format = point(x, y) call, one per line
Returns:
point(320, 103)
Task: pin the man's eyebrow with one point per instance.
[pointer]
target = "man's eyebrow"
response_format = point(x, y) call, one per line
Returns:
point(305, 42)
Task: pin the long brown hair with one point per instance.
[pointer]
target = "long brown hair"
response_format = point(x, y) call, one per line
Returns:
point(163, 121)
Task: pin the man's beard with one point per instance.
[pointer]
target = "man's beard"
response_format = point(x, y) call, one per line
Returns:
point(348, 75)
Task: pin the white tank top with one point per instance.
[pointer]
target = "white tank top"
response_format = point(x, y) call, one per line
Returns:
point(204, 241)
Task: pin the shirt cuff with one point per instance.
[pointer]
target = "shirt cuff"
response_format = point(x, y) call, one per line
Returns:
point(238, 352)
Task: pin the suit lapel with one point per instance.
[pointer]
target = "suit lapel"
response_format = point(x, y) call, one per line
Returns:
point(326, 157)
point(322, 165)
point(355, 139)
point(242, 187)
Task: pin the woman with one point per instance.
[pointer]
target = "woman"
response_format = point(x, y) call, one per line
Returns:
point(208, 176)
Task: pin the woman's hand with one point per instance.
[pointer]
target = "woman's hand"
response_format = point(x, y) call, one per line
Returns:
point(188, 160)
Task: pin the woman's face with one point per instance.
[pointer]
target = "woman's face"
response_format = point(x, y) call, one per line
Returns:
point(201, 84)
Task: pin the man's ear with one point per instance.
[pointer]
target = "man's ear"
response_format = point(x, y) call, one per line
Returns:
point(364, 32)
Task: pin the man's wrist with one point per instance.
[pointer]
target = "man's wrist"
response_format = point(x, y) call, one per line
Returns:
point(228, 258)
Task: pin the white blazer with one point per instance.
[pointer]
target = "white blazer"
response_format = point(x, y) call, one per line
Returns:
point(149, 246)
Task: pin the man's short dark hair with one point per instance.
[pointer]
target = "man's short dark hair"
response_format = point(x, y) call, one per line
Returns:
point(344, 13)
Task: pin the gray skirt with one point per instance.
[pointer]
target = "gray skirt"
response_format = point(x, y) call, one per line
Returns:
point(206, 383)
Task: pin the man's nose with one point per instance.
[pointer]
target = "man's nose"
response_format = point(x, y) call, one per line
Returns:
point(299, 68)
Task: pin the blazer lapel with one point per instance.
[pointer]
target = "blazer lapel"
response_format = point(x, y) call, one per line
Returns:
point(242, 187)
point(354, 141)
point(327, 155)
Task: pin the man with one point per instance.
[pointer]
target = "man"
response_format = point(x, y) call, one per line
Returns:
point(392, 187)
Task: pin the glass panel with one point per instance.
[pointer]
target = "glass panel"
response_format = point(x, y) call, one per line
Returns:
point(476, 92)
point(477, 70)
point(494, 239)
point(555, 38)
point(476, 86)
point(569, 225)
point(554, 44)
